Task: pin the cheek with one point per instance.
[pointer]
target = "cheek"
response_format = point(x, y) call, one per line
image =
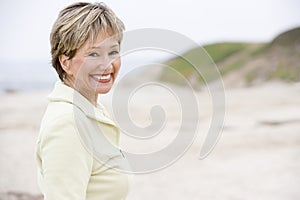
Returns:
point(77, 67)
point(81, 67)
point(117, 65)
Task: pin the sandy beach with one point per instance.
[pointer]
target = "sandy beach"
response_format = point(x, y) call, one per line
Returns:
point(257, 156)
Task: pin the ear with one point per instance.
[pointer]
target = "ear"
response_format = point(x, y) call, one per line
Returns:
point(65, 63)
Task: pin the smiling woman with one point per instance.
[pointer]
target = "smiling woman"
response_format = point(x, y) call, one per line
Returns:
point(77, 36)
point(85, 44)
point(93, 70)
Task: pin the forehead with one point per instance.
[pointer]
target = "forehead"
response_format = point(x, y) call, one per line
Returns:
point(103, 40)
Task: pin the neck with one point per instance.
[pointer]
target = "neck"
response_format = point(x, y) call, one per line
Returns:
point(91, 97)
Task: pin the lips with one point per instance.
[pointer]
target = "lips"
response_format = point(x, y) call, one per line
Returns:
point(102, 78)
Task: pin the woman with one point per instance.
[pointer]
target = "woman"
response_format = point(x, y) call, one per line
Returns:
point(74, 160)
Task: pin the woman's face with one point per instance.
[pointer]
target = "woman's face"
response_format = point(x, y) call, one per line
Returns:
point(95, 66)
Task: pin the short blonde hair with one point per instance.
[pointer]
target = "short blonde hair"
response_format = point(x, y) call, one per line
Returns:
point(78, 23)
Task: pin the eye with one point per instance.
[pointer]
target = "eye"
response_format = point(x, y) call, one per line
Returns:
point(114, 53)
point(93, 54)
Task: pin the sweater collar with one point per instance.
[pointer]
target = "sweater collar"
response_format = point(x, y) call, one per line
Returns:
point(62, 92)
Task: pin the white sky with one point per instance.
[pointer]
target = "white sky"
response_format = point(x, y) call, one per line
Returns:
point(25, 25)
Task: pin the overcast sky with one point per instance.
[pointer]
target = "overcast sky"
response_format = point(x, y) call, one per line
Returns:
point(25, 25)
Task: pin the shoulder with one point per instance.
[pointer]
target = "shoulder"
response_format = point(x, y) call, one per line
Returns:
point(60, 114)
point(60, 128)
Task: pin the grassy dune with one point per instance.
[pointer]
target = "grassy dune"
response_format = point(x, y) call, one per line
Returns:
point(251, 62)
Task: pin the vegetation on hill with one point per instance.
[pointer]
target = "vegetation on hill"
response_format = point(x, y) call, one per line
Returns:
point(252, 62)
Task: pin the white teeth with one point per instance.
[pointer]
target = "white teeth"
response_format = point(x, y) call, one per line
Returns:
point(102, 77)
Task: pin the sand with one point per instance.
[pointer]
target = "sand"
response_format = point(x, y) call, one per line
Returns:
point(257, 156)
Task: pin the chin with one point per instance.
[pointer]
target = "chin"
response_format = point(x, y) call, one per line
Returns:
point(103, 89)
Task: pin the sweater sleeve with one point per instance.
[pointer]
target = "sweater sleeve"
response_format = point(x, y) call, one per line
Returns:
point(66, 164)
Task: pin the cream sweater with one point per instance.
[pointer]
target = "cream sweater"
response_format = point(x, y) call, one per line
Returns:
point(77, 152)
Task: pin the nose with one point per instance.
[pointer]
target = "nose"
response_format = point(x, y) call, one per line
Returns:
point(105, 64)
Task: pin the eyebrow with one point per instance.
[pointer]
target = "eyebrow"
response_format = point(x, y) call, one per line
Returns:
point(99, 47)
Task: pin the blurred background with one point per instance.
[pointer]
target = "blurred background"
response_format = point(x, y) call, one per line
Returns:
point(255, 45)
point(26, 26)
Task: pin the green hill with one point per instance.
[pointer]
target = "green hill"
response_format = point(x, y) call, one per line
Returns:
point(250, 62)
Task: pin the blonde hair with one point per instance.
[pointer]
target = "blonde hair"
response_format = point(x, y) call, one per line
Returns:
point(78, 23)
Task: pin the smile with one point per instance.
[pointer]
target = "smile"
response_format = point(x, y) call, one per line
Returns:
point(103, 78)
